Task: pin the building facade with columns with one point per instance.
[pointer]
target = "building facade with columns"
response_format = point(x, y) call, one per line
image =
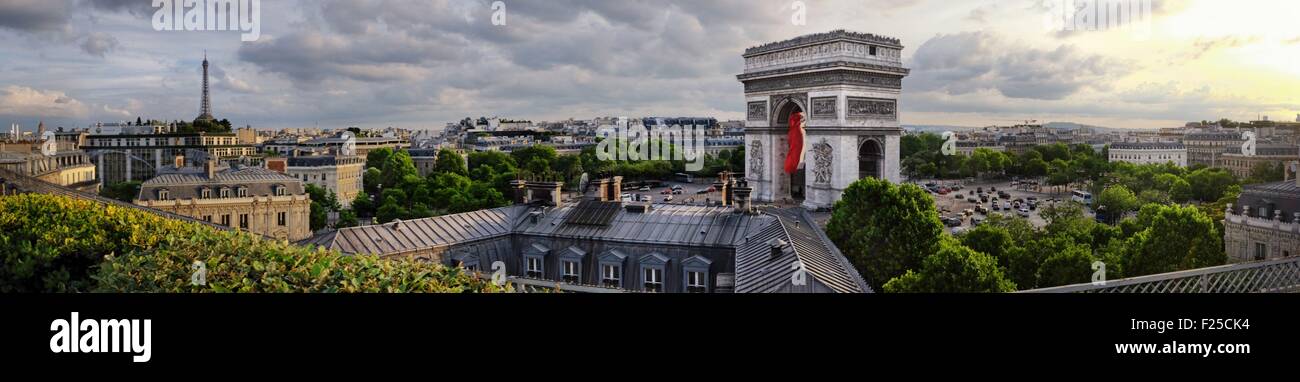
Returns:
point(1148, 153)
point(847, 85)
point(136, 157)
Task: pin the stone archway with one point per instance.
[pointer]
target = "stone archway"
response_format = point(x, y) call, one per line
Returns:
point(870, 158)
point(793, 186)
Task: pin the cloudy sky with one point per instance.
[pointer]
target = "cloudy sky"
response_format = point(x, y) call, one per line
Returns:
point(420, 64)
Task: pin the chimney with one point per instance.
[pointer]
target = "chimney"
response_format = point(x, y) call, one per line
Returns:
point(520, 190)
point(179, 161)
point(603, 189)
point(211, 168)
point(610, 189)
point(721, 186)
point(742, 201)
point(616, 195)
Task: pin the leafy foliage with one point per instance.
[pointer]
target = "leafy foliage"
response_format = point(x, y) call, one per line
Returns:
point(58, 244)
point(885, 229)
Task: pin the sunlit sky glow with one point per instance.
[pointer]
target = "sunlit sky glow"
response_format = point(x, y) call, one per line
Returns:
point(420, 64)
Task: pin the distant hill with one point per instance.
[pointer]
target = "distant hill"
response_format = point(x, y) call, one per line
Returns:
point(934, 128)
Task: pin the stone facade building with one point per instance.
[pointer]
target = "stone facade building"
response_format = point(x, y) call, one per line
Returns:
point(1148, 153)
point(1207, 148)
point(847, 85)
point(68, 168)
point(1265, 222)
point(337, 173)
point(250, 199)
point(1266, 154)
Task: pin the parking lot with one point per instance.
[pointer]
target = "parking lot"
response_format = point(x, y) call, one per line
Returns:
point(951, 206)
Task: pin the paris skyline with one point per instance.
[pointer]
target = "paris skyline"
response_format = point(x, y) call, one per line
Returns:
point(422, 64)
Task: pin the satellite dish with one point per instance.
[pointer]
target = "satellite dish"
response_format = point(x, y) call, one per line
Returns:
point(584, 182)
point(49, 146)
point(349, 144)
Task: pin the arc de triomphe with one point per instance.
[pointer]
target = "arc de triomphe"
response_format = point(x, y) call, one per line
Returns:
point(847, 85)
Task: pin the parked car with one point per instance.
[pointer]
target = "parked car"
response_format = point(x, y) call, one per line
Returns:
point(982, 209)
point(1024, 212)
point(677, 187)
point(976, 221)
point(644, 188)
point(979, 189)
point(666, 192)
point(1006, 206)
point(668, 198)
point(1033, 206)
point(984, 198)
point(996, 206)
point(1004, 195)
point(960, 197)
point(677, 192)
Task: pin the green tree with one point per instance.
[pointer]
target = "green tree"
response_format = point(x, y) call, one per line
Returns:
point(362, 206)
point(954, 269)
point(1209, 184)
point(397, 168)
point(347, 218)
point(372, 180)
point(377, 157)
point(1073, 265)
point(885, 229)
point(1173, 238)
point(1116, 200)
point(449, 161)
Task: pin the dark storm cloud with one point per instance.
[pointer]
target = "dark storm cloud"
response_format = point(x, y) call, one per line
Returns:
point(35, 16)
point(974, 61)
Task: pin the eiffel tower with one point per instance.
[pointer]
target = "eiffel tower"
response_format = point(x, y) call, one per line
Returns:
point(205, 106)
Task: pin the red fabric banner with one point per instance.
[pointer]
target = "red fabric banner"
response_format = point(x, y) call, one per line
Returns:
point(797, 134)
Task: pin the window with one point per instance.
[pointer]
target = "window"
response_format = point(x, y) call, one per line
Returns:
point(572, 272)
point(280, 218)
point(225, 192)
point(243, 192)
point(695, 282)
point(654, 280)
point(206, 193)
point(243, 221)
point(611, 275)
point(279, 191)
point(1261, 251)
point(207, 218)
point(164, 195)
point(225, 220)
point(534, 267)
point(873, 51)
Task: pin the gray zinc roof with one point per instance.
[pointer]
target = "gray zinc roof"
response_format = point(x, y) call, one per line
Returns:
point(757, 271)
point(411, 235)
point(663, 224)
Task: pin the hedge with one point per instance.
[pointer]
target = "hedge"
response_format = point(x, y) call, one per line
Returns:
point(59, 244)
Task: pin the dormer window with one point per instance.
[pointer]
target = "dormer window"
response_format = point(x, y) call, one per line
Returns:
point(225, 192)
point(280, 190)
point(243, 192)
point(163, 194)
point(205, 193)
